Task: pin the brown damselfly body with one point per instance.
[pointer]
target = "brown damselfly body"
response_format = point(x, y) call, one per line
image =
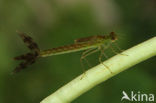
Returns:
point(91, 44)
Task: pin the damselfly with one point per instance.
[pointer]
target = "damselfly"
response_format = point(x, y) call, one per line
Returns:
point(91, 44)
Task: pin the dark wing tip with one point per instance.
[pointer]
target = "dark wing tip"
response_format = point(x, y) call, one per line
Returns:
point(28, 59)
point(21, 66)
point(29, 42)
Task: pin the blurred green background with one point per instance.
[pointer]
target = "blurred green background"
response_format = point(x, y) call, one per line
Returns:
point(55, 23)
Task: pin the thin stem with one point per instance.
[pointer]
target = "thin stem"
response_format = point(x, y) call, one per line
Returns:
point(100, 73)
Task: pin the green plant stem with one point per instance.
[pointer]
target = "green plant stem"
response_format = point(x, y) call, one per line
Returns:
point(100, 73)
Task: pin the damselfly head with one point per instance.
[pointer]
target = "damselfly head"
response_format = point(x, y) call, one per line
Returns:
point(113, 36)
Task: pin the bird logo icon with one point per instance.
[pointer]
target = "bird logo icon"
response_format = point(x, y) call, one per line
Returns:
point(125, 96)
